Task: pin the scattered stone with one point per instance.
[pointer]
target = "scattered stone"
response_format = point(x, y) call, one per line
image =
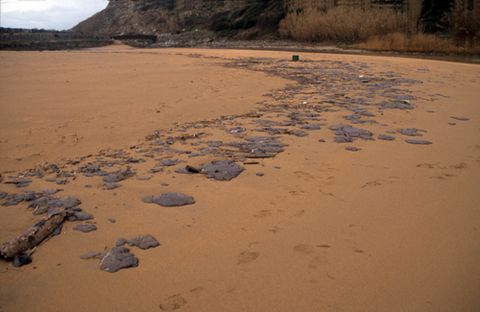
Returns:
point(118, 258)
point(410, 131)
point(170, 200)
point(222, 170)
point(119, 175)
point(111, 220)
point(79, 216)
point(120, 242)
point(313, 126)
point(452, 123)
point(168, 162)
point(419, 142)
point(342, 139)
point(85, 228)
point(188, 170)
point(143, 242)
point(322, 141)
point(347, 134)
point(44, 204)
point(19, 182)
point(237, 130)
point(111, 185)
point(298, 133)
point(386, 137)
point(259, 147)
point(3, 195)
point(397, 105)
point(259, 174)
point(460, 118)
point(353, 149)
point(61, 181)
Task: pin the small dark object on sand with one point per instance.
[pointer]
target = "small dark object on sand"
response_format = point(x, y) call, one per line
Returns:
point(188, 170)
point(170, 200)
point(353, 149)
point(19, 182)
point(410, 131)
point(418, 142)
point(79, 216)
point(259, 174)
point(460, 118)
point(85, 228)
point(386, 137)
point(342, 139)
point(118, 258)
point(143, 242)
point(111, 185)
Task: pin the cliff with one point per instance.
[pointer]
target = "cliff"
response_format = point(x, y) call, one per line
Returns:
point(243, 19)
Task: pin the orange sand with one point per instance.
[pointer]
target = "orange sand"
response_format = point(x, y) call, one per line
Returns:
point(393, 227)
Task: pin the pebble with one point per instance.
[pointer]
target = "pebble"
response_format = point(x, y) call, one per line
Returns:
point(170, 200)
point(143, 242)
point(118, 258)
point(410, 131)
point(386, 137)
point(111, 185)
point(460, 118)
point(418, 142)
point(222, 170)
point(85, 227)
point(353, 149)
point(79, 216)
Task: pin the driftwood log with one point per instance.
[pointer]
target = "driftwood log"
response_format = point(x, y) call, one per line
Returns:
point(43, 229)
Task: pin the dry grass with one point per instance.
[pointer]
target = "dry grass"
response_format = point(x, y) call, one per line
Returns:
point(341, 24)
point(424, 43)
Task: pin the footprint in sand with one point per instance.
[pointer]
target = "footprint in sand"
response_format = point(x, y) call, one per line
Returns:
point(263, 214)
point(304, 248)
point(247, 257)
point(443, 176)
point(317, 261)
point(173, 303)
point(304, 175)
point(274, 229)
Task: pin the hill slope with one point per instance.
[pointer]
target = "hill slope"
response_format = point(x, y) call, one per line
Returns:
point(241, 19)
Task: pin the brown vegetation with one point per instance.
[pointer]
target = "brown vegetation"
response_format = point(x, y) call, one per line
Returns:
point(424, 43)
point(381, 27)
point(341, 24)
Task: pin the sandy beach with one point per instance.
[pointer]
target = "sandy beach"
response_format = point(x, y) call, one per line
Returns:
point(358, 190)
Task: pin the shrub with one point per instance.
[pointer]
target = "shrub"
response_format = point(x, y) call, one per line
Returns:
point(341, 24)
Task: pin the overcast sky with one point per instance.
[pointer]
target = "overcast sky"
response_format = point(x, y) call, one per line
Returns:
point(48, 14)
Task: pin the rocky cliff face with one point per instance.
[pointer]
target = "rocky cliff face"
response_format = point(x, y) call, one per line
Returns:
point(240, 18)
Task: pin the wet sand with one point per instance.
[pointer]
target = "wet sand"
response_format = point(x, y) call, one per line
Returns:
point(390, 227)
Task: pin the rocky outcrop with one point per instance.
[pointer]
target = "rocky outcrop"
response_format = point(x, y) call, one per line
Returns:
point(229, 18)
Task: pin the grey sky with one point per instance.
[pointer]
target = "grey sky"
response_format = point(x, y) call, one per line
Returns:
point(48, 14)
